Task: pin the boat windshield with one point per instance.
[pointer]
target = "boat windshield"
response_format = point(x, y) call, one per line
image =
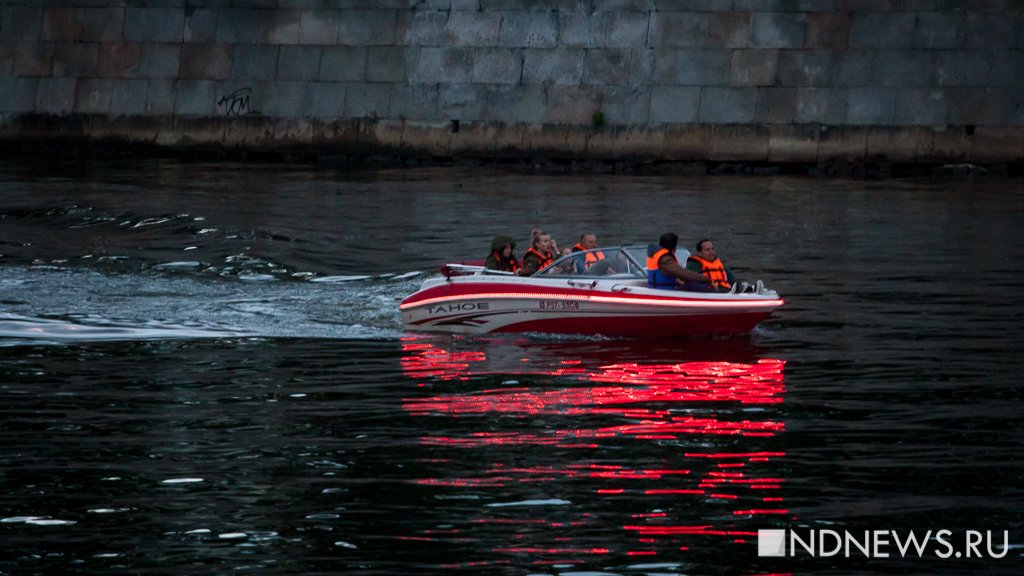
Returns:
point(616, 262)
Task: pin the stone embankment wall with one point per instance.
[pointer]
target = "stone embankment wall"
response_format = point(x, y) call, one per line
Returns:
point(806, 81)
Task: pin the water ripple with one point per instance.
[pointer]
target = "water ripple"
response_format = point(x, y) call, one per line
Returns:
point(161, 413)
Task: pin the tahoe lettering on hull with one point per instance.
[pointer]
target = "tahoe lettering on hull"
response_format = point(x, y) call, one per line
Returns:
point(458, 307)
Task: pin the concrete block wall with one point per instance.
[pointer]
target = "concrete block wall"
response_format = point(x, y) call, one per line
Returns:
point(790, 71)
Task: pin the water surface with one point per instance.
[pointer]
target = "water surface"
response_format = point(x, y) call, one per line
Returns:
point(203, 370)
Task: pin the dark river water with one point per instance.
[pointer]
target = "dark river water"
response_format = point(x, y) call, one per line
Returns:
point(203, 371)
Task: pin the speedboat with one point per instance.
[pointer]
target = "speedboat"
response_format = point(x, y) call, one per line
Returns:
point(609, 298)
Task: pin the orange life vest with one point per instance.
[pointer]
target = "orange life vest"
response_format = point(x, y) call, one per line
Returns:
point(655, 277)
point(713, 270)
point(509, 265)
point(542, 259)
point(590, 258)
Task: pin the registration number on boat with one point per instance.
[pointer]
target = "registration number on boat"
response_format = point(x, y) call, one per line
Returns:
point(559, 305)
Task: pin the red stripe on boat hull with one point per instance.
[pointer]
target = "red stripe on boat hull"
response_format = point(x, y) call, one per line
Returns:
point(645, 326)
point(473, 290)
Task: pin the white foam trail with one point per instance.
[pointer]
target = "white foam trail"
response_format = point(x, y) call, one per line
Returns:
point(50, 522)
point(48, 330)
point(550, 502)
point(339, 279)
point(176, 265)
point(50, 308)
point(407, 275)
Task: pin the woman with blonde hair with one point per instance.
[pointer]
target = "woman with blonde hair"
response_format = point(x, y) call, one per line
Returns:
point(541, 253)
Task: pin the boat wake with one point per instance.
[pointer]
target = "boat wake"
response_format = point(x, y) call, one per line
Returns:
point(21, 330)
point(50, 305)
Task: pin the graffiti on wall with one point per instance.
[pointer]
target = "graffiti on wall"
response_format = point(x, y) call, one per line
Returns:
point(237, 103)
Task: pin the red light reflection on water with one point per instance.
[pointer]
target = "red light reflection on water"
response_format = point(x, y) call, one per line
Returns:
point(662, 405)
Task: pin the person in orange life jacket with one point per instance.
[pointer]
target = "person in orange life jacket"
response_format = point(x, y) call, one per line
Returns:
point(541, 253)
point(587, 242)
point(706, 261)
point(663, 269)
point(538, 232)
point(501, 257)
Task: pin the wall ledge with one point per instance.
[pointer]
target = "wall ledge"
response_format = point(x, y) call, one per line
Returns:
point(514, 143)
